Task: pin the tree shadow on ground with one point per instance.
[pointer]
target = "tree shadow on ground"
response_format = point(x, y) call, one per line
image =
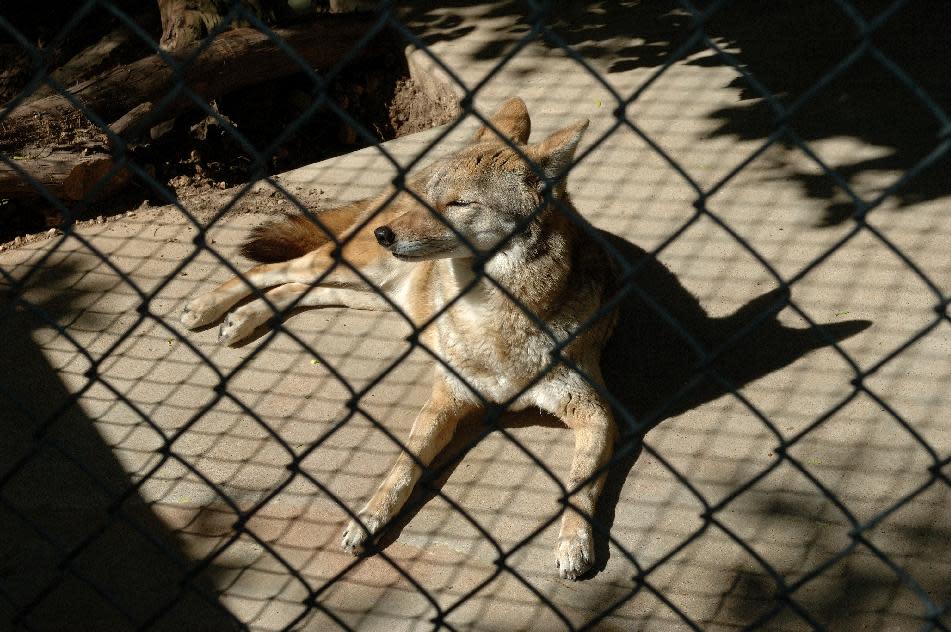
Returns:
point(80, 549)
point(858, 591)
point(788, 46)
point(628, 34)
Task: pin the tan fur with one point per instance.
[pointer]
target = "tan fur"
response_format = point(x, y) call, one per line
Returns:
point(296, 235)
point(497, 354)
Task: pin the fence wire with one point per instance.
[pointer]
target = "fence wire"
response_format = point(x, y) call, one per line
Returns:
point(23, 606)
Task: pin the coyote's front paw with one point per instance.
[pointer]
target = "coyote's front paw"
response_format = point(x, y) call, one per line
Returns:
point(575, 554)
point(236, 326)
point(201, 311)
point(355, 536)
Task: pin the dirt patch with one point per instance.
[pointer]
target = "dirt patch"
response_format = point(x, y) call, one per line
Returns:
point(412, 110)
point(262, 130)
point(371, 103)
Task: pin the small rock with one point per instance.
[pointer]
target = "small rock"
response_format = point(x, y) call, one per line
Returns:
point(17, 241)
point(100, 219)
point(222, 185)
point(51, 232)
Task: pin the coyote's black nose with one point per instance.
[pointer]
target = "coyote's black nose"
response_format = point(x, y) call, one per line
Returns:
point(384, 235)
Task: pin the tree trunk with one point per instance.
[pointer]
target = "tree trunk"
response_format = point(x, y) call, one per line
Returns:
point(180, 26)
point(235, 59)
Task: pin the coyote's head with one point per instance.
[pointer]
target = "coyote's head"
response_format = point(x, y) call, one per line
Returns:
point(472, 200)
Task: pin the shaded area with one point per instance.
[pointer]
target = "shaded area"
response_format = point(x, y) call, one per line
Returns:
point(788, 46)
point(858, 591)
point(80, 549)
point(371, 99)
point(647, 365)
point(653, 367)
point(42, 23)
point(627, 34)
point(648, 360)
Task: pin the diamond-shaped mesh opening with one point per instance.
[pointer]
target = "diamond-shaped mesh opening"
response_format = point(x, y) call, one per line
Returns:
point(765, 196)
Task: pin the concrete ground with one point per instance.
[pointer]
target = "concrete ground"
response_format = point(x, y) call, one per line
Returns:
point(152, 377)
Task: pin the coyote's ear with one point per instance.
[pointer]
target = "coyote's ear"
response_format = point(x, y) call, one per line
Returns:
point(510, 120)
point(555, 153)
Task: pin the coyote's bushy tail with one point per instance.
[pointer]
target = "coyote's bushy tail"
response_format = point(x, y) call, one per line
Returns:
point(284, 239)
point(295, 235)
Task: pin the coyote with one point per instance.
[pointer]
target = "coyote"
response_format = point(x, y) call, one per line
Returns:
point(423, 247)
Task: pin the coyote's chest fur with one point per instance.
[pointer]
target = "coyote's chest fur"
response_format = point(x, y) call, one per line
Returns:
point(486, 339)
point(494, 348)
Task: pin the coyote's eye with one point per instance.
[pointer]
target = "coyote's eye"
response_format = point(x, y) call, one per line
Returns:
point(460, 203)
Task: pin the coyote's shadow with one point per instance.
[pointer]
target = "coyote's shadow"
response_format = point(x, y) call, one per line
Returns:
point(654, 372)
point(649, 365)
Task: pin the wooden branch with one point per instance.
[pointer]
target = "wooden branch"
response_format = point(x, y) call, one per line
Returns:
point(235, 59)
point(68, 175)
point(131, 124)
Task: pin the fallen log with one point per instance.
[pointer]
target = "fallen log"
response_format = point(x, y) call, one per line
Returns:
point(89, 62)
point(234, 59)
point(67, 175)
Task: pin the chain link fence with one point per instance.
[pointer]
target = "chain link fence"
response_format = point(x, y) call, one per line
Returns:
point(83, 525)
